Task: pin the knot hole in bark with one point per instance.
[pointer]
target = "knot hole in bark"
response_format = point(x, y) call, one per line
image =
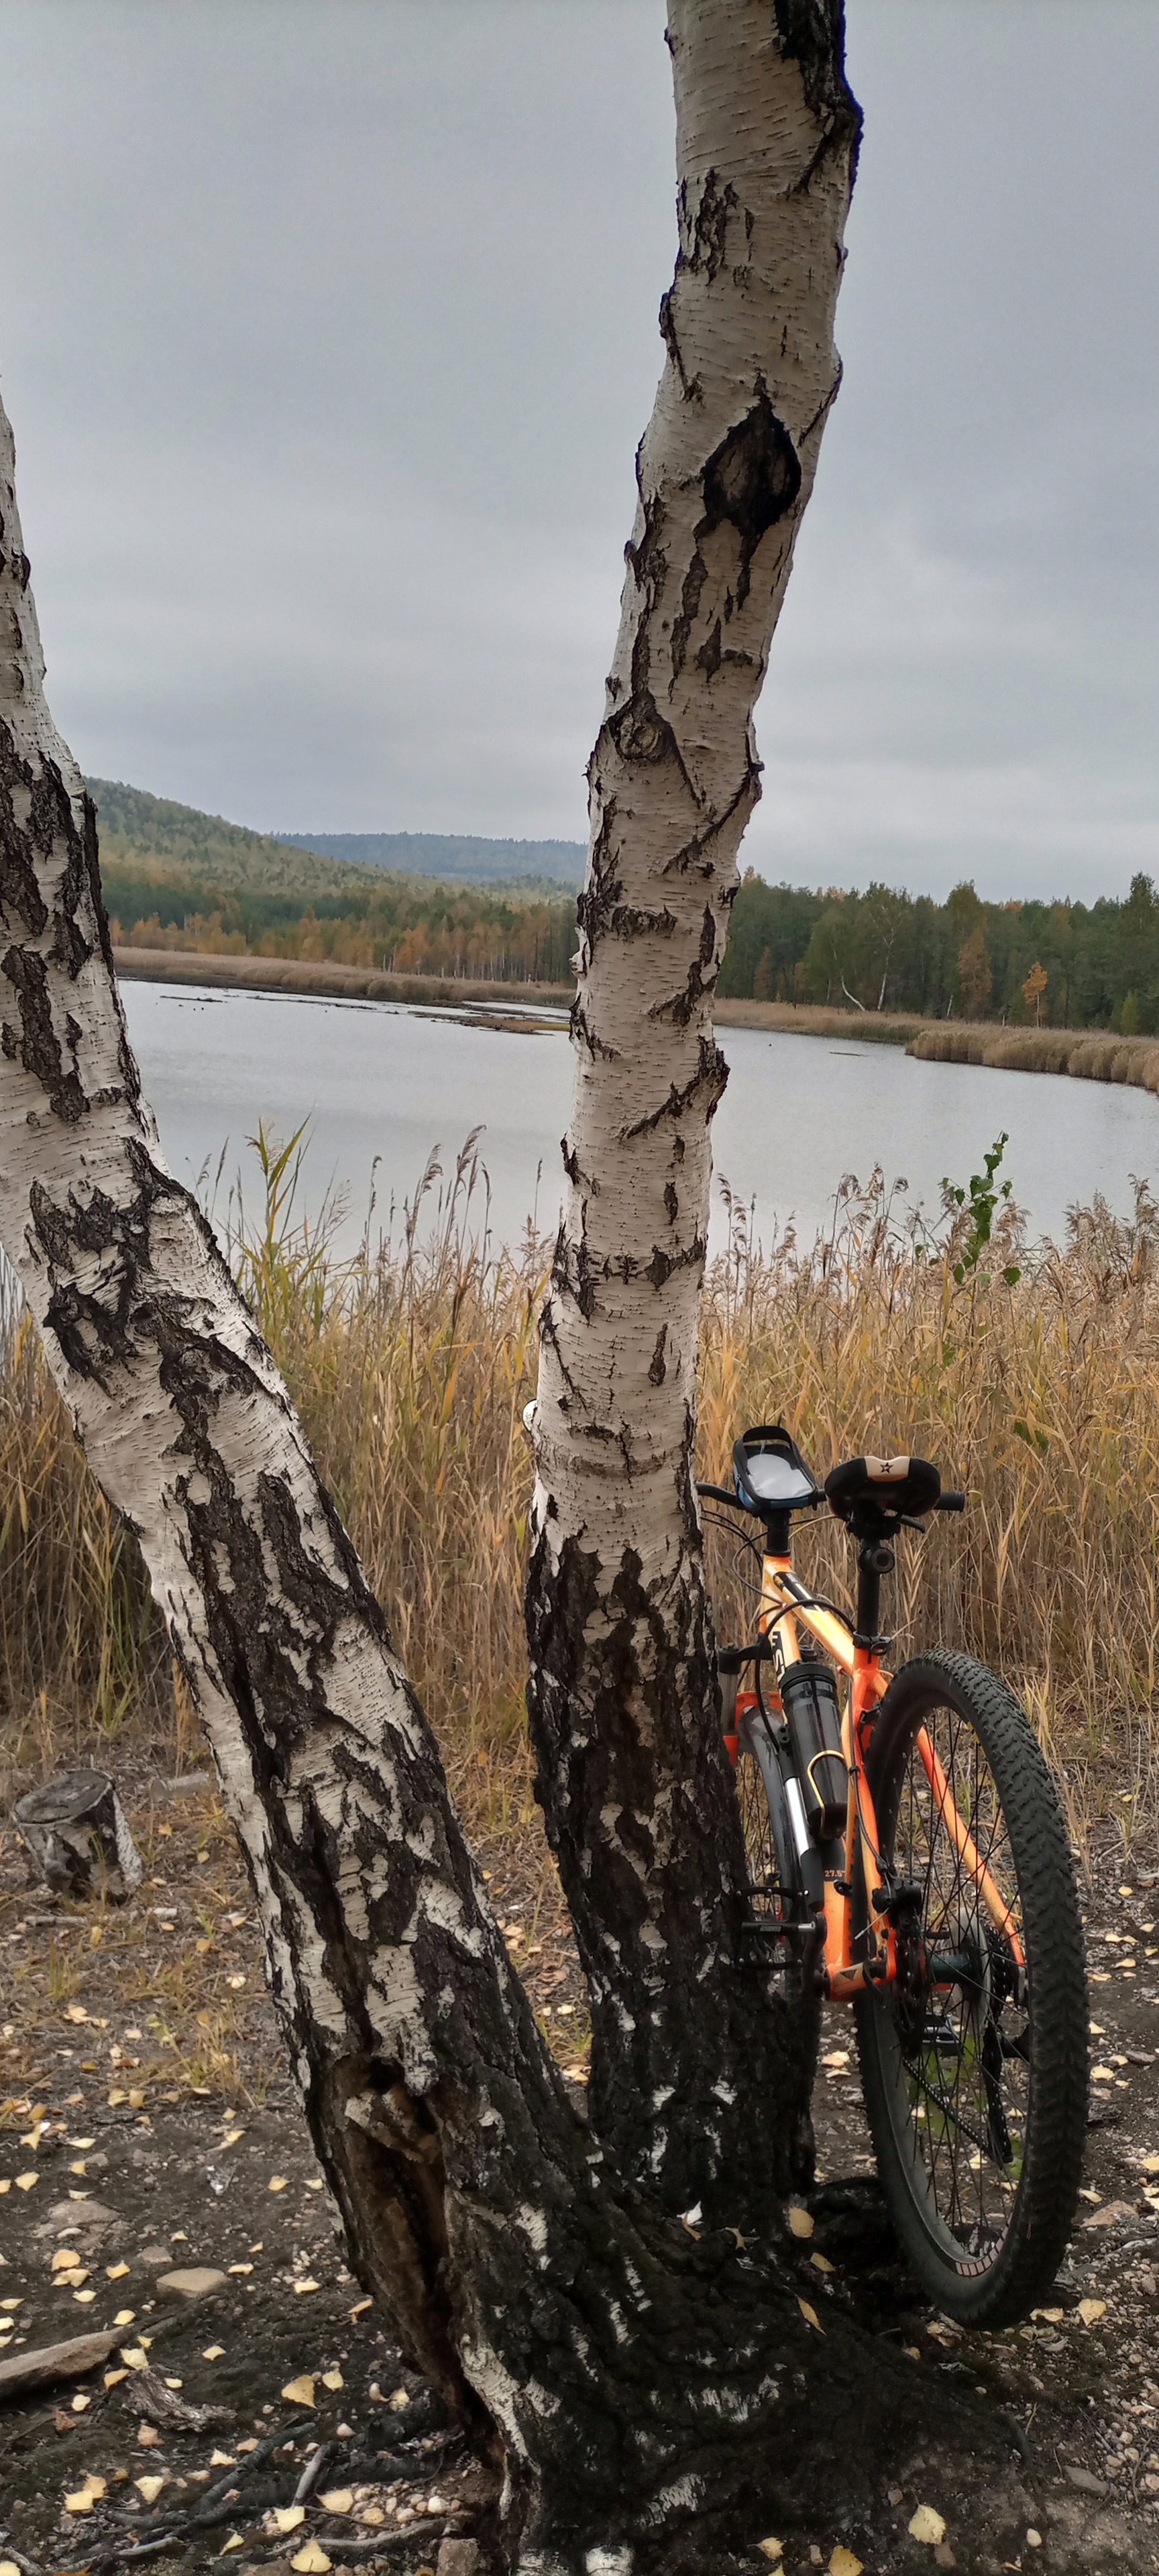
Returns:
point(750, 481)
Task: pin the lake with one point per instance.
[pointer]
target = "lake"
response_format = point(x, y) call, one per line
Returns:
point(388, 1083)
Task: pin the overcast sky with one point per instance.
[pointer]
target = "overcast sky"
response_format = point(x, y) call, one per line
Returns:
point(328, 330)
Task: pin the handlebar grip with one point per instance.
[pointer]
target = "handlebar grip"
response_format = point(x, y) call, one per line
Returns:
point(950, 1503)
point(719, 1494)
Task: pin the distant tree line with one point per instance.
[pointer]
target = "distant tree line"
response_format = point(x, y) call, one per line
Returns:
point(1069, 965)
point(407, 926)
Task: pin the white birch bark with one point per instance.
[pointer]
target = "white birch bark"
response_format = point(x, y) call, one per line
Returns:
point(630, 1775)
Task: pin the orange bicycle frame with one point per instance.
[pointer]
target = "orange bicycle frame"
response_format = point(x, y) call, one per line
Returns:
point(786, 1607)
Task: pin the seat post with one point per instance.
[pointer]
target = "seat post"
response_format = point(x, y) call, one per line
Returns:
point(874, 1559)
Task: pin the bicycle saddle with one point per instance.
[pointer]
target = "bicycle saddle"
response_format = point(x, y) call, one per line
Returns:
point(770, 1474)
point(899, 1486)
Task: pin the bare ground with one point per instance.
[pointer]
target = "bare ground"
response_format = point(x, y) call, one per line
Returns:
point(146, 2126)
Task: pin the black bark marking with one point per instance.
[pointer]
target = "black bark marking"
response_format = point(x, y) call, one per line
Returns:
point(700, 979)
point(693, 853)
point(689, 386)
point(709, 657)
point(663, 1265)
point(649, 565)
point(709, 1080)
point(706, 229)
point(658, 1369)
point(667, 2038)
point(671, 1202)
point(751, 481)
point(693, 585)
point(78, 922)
point(812, 34)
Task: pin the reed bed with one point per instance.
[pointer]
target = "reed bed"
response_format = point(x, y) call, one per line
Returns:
point(411, 1364)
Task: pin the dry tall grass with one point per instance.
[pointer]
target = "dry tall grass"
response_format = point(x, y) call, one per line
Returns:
point(411, 1365)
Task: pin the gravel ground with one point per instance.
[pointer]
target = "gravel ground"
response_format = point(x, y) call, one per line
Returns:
point(147, 2130)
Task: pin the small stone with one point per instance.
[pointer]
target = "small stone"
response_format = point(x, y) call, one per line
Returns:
point(1086, 2482)
point(461, 2557)
point(194, 2284)
point(1033, 2538)
point(800, 2222)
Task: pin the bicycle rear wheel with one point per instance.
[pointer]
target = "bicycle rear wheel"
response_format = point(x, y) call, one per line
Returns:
point(975, 2081)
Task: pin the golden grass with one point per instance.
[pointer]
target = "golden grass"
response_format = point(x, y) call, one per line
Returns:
point(1095, 1055)
point(411, 1365)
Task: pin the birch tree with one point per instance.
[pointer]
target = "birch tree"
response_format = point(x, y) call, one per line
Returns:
point(631, 1770)
point(640, 2385)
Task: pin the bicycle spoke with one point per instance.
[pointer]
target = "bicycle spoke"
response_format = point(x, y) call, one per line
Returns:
point(965, 2072)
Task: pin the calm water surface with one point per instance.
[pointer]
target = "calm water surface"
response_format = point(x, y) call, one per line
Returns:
point(386, 1083)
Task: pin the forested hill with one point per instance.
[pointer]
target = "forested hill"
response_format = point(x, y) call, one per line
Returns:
point(453, 856)
point(176, 878)
point(1070, 965)
point(137, 830)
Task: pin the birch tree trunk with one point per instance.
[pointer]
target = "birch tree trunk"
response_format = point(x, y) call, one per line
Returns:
point(691, 2048)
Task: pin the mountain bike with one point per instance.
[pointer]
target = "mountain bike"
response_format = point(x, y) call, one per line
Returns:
point(907, 1856)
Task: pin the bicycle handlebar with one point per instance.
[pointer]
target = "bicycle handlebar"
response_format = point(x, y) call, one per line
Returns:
point(720, 1494)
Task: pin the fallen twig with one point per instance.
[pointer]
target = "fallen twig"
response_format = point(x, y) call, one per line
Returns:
point(313, 2471)
point(434, 2527)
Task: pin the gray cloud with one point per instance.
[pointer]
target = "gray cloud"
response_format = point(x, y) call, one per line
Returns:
point(329, 328)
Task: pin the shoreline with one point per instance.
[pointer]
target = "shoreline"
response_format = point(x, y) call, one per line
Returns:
point(327, 980)
point(1091, 1055)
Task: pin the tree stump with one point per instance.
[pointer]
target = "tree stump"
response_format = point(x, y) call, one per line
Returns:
point(77, 1831)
